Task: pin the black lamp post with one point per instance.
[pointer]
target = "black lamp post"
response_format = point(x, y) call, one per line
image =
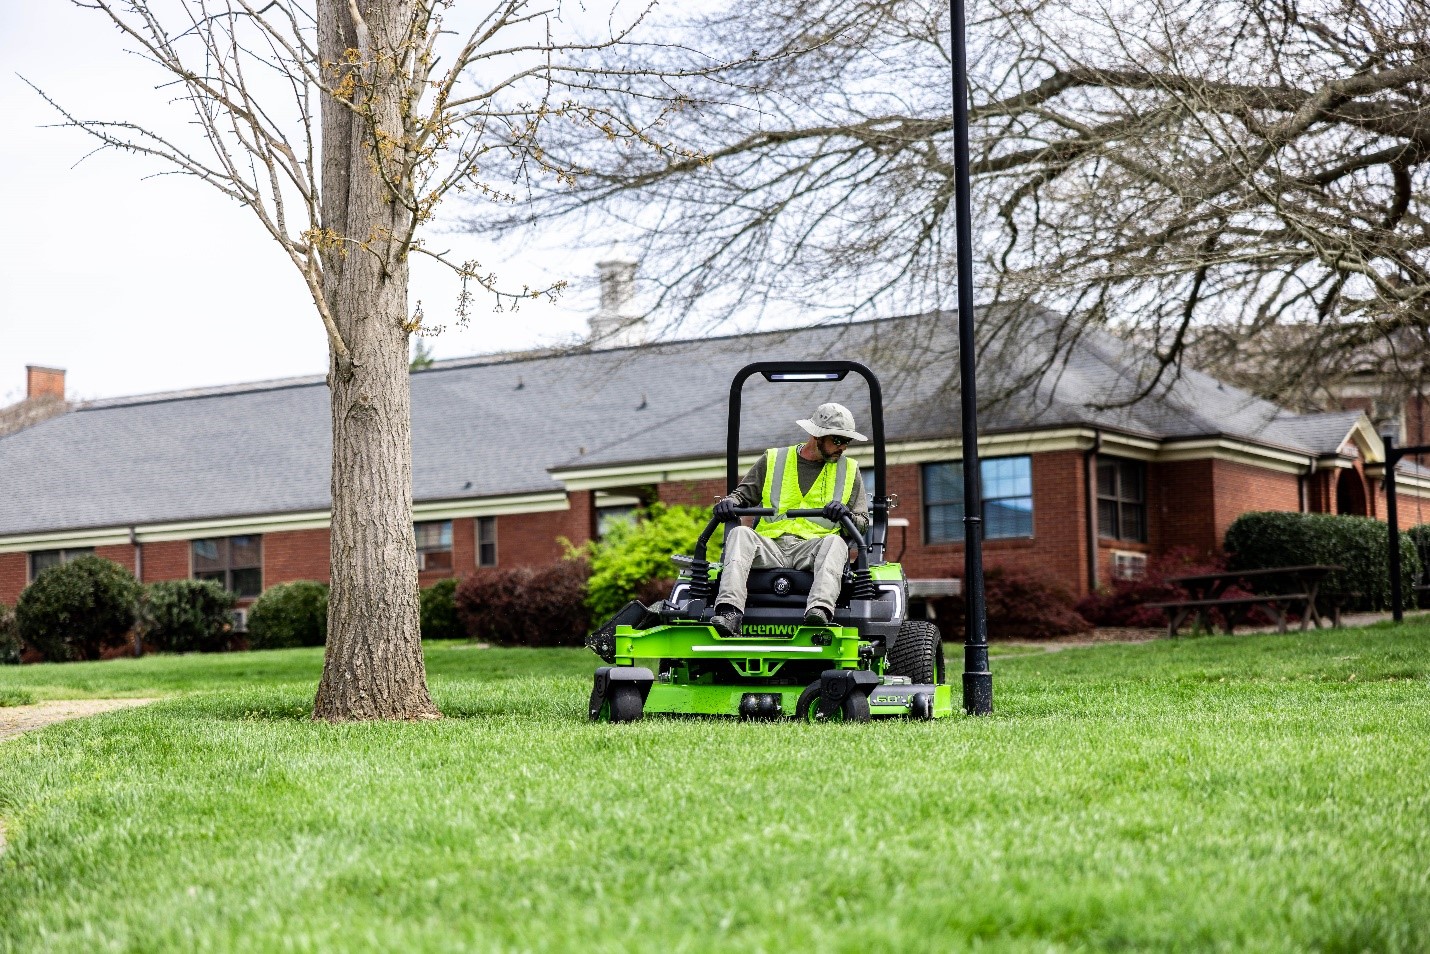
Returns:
point(977, 680)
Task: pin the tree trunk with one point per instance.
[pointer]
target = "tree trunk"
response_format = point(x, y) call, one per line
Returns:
point(373, 666)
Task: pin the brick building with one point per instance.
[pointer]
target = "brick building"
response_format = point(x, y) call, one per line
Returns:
point(513, 453)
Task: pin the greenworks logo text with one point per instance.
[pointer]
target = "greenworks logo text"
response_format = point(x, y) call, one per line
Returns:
point(769, 630)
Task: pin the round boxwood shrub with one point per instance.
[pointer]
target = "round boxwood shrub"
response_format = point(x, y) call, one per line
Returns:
point(1360, 544)
point(184, 616)
point(439, 611)
point(631, 555)
point(78, 609)
point(11, 646)
point(289, 614)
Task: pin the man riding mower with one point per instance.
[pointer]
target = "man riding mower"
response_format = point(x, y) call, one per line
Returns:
point(784, 625)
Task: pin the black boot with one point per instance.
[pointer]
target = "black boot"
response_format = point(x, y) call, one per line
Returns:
point(817, 616)
point(727, 621)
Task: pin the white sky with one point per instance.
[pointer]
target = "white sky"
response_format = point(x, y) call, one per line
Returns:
point(135, 285)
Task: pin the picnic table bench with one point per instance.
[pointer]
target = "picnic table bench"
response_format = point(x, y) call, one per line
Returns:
point(1293, 589)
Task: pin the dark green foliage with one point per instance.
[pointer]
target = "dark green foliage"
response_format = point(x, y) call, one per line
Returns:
point(527, 607)
point(1419, 535)
point(184, 616)
point(289, 614)
point(1020, 606)
point(439, 611)
point(634, 554)
point(78, 609)
point(11, 646)
point(1360, 544)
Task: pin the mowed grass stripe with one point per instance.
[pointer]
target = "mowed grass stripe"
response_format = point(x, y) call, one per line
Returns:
point(1242, 793)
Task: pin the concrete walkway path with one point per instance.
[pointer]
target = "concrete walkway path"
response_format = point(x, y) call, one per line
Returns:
point(17, 719)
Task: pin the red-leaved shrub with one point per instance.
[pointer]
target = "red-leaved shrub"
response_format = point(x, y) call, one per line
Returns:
point(522, 606)
point(1123, 602)
point(1020, 606)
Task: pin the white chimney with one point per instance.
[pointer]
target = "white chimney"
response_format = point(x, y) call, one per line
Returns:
point(617, 324)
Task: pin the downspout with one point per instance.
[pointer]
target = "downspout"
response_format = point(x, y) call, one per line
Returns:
point(1304, 486)
point(1089, 464)
point(138, 575)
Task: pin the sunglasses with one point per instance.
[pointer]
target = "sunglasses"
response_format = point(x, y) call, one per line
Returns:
point(841, 441)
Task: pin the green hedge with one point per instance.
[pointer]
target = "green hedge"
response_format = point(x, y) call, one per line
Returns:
point(289, 614)
point(78, 609)
point(1360, 544)
point(632, 555)
point(184, 616)
point(439, 611)
point(11, 646)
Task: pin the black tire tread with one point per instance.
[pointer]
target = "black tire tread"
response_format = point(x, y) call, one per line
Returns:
point(918, 653)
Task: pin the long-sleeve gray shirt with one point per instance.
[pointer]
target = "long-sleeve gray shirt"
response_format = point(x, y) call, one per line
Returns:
point(750, 492)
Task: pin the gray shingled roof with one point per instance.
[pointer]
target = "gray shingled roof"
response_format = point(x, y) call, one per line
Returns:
point(486, 427)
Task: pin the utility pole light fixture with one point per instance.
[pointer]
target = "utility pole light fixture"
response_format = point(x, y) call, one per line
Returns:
point(977, 680)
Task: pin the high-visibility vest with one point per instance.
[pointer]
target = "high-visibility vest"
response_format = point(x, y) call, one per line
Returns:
point(781, 493)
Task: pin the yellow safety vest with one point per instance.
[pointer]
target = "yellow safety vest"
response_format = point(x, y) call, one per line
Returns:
point(781, 493)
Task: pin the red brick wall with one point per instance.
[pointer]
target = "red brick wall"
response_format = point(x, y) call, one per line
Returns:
point(14, 575)
point(1241, 488)
point(295, 555)
point(168, 560)
point(122, 553)
point(694, 493)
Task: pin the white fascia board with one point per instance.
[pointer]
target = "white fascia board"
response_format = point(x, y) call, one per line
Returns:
point(1406, 485)
point(1240, 452)
point(632, 475)
point(273, 523)
point(1367, 441)
point(491, 506)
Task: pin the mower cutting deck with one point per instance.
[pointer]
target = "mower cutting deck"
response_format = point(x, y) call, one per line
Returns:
point(870, 661)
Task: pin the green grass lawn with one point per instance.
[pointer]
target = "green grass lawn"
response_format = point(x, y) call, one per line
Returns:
point(1228, 793)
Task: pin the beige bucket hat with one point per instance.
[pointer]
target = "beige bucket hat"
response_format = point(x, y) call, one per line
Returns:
point(832, 420)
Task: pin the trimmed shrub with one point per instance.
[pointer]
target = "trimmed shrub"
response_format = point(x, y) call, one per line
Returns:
point(1360, 544)
point(527, 607)
point(439, 611)
point(632, 555)
point(1420, 536)
point(1124, 602)
point(78, 609)
point(1019, 605)
point(11, 646)
point(185, 616)
point(289, 614)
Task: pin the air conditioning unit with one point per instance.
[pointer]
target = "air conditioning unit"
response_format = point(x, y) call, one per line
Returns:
point(238, 620)
point(1128, 566)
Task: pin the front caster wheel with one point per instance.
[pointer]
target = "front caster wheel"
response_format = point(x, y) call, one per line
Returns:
point(854, 708)
point(625, 703)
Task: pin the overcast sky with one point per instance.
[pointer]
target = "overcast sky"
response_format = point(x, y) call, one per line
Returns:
point(135, 285)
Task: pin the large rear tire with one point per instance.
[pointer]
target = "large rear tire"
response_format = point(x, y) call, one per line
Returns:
point(918, 653)
point(854, 708)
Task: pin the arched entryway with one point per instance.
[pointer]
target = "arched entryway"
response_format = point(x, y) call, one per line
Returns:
point(1350, 493)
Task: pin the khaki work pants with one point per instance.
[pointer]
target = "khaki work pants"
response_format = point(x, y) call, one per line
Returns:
point(745, 550)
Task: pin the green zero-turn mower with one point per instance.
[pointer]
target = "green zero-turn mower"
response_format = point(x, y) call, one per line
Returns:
point(870, 661)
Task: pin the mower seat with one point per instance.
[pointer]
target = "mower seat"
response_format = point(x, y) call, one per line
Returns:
point(781, 588)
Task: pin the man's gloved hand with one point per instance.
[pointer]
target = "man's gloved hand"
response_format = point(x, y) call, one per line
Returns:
point(836, 511)
point(725, 509)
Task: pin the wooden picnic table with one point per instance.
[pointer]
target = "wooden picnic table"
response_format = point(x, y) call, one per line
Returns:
point(1286, 589)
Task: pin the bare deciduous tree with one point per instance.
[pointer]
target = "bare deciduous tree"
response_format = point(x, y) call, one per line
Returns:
point(1232, 174)
point(341, 124)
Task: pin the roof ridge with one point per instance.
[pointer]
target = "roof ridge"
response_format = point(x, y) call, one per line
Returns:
point(452, 364)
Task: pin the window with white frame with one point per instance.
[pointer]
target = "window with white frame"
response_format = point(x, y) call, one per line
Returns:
point(486, 541)
point(1007, 499)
